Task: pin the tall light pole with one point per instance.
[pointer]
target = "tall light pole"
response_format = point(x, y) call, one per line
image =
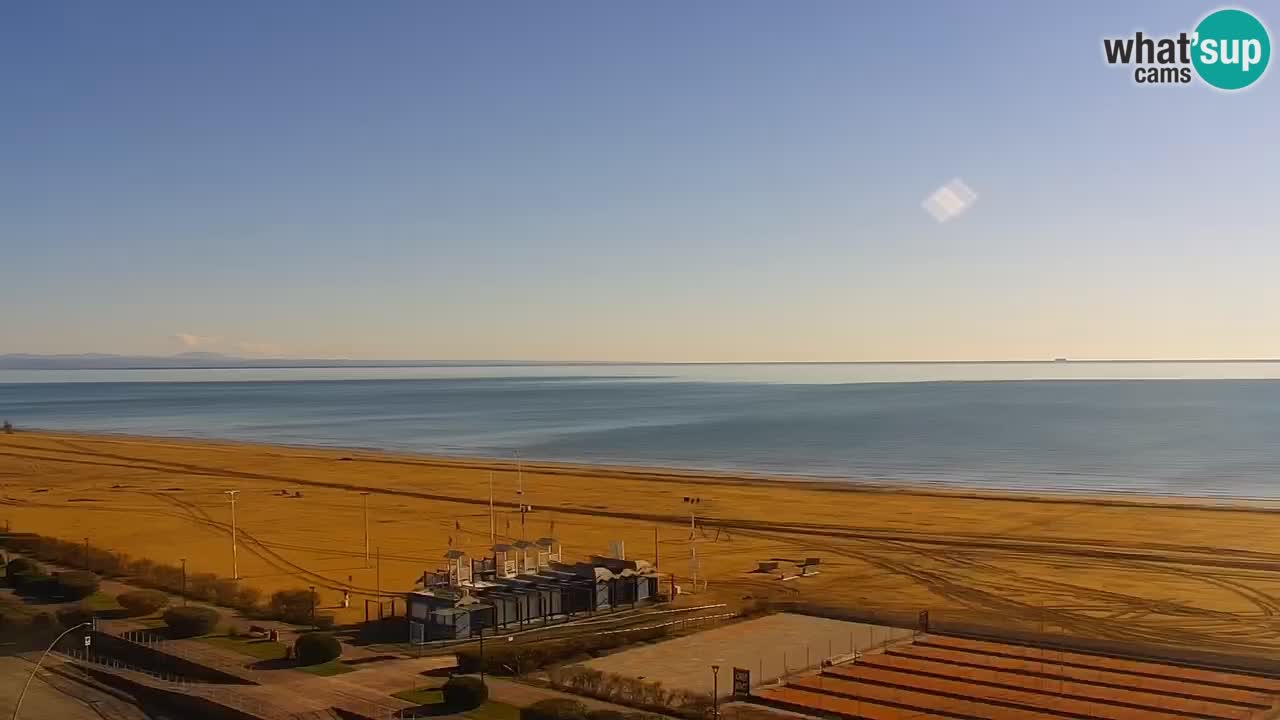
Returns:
point(34, 670)
point(715, 692)
point(365, 494)
point(235, 560)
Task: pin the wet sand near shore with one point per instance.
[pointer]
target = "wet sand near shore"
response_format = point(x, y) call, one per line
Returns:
point(1145, 570)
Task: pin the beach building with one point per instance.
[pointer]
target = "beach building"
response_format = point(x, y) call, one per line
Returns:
point(520, 585)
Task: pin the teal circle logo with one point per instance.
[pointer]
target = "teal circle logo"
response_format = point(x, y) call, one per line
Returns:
point(1232, 49)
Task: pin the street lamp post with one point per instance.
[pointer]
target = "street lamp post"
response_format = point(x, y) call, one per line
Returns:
point(365, 495)
point(18, 706)
point(715, 692)
point(482, 656)
point(235, 561)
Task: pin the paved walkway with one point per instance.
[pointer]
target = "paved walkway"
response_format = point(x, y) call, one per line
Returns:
point(43, 700)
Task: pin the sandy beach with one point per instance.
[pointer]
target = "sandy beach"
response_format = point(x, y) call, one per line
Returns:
point(1142, 570)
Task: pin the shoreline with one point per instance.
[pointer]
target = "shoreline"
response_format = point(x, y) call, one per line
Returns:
point(1155, 570)
point(712, 477)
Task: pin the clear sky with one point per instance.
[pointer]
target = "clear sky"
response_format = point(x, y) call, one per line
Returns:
point(663, 180)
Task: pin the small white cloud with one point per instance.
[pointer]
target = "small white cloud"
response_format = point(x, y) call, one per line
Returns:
point(195, 342)
point(950, 200)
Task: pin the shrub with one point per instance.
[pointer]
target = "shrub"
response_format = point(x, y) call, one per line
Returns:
point(293, 606)
point(605, 715)
point(464, 693)
point(247, 598)
point(105, 562)
point(225, 591)
point(42, 620)
point(77, 584)
point(22, 566)
point(142, 602)
point(202, 586)
point(142, 570)
point(42, 586)
point(324, 621)
point(554, 709)
point(69, 617)
point(315, 648)
point(191, 621)
point(167, 577)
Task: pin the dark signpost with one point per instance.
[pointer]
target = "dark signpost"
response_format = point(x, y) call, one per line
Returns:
point(741, 682)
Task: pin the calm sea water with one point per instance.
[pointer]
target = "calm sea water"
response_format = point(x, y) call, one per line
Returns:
point(1203, 429)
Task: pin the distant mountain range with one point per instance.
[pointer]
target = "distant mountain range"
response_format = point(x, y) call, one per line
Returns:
point(211, 360)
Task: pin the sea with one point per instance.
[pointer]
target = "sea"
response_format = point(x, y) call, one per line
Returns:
point(1201, 429)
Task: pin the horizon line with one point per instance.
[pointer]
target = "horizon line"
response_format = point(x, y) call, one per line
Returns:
point(214, 361)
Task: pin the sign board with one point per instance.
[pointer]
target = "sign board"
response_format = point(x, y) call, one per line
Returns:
point(741, 682)
point(88, 640)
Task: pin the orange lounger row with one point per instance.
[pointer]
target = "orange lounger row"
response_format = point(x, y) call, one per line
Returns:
point(994, 683)
point(1050, 668)
point(802, 701)
point(1219, 678)
point(919, 700)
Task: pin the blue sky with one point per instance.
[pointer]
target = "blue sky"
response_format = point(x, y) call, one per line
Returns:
point(649, 181)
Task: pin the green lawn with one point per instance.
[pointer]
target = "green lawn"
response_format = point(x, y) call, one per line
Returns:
point(100, 602)
point(333, 667)
point(253, 647)
point(421, 696)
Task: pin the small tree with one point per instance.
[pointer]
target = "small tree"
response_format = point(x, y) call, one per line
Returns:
point(142, 602)
point(77, 584)
point(247, 598)
point(7, 428)
point(191, 621)
point(315, 648)
point(202, 586)
point(18, 567)
point(463, 692)
point(225, 591)
point(293, 605)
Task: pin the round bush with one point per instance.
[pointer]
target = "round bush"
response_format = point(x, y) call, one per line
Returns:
point(22, 566)
point(41, 586)
point(77, 584)
point(315, 648)
point(191, 621)
point(464, 693)
point(554, 709)
point(42, 620)
point(142, 602)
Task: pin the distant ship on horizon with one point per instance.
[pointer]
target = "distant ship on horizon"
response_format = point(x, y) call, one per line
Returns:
point(1061, 360)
